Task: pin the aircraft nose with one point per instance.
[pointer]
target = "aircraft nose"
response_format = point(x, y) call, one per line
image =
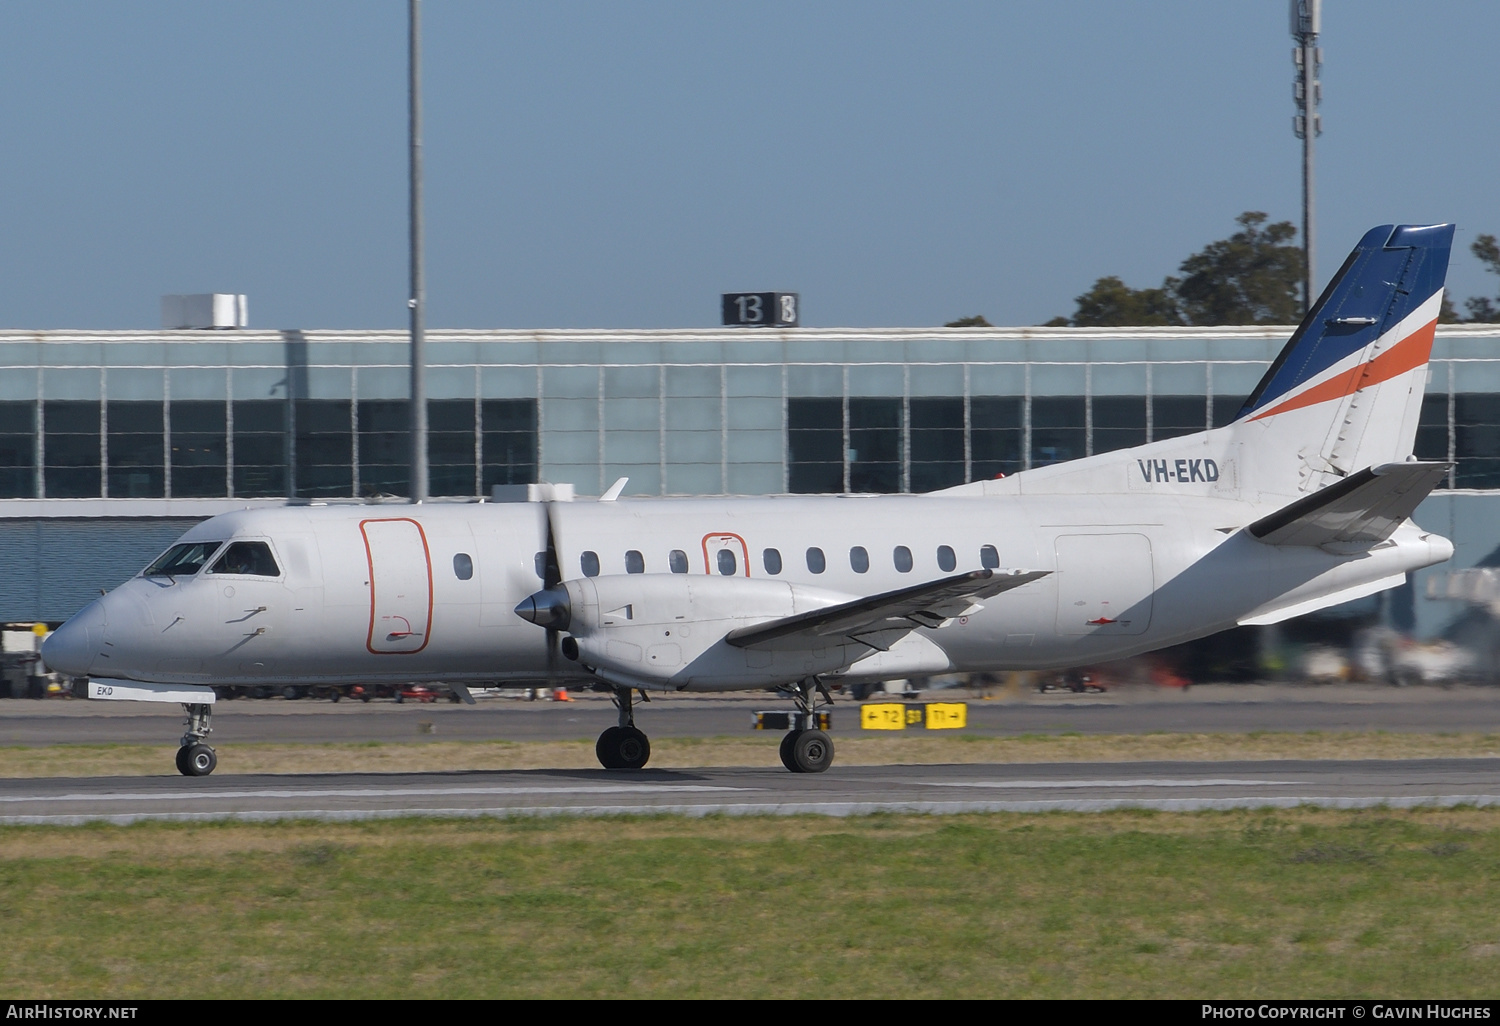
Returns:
point(73, 647)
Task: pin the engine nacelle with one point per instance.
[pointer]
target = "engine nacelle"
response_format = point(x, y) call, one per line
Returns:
point(667, 630)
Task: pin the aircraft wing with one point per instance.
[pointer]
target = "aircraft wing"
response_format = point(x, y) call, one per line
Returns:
point(1363, 509)
point(925, 605)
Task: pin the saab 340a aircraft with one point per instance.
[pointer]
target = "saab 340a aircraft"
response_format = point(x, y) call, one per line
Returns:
point(1303, 501)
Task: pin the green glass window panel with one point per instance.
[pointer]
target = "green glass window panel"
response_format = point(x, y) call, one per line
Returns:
point(1432, 429)
point(1119, 422)
point(72, 468)
point(1057, 429)
point(1175, 415)
point(815, 444)
point(17, 450)
point(325, 448)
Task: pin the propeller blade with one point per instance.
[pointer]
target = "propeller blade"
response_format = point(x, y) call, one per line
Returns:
point(551, 578)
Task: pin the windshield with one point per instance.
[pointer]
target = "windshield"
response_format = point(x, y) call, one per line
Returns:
point(251, 559)
point(182, 560)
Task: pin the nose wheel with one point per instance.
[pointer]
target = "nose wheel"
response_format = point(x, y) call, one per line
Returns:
point(194, 758)
point(623, 746)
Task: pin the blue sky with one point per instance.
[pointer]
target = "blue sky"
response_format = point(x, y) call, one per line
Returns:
point(609, 164)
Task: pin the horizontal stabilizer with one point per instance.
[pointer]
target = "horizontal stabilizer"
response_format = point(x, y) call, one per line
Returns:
point(1364, 508)
point(925, 605)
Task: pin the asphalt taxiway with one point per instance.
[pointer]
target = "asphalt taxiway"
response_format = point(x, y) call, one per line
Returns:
point(1238, 708)
point(858, 790)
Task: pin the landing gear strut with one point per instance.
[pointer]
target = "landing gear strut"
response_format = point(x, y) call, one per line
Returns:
point(807, 749)
point(194, 758)
point(623, 747)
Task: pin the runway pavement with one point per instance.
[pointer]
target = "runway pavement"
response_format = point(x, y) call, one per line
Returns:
point(1238, 708)
point(1170, 786)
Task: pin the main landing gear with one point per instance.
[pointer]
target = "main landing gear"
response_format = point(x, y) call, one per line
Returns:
point(623, 747)
point(807, 749)
point(194, 758)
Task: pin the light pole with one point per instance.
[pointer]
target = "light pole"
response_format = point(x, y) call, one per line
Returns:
point(1306, 22)
point(418, 298)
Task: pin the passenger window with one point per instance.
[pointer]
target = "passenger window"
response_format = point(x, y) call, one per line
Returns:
point(590, 562)
point(677, 561)
point(859, 559)
point(727, 564)
point(635, 563)
point(247, 559)
point(539, 563)
point(815, 561)
point(772, 560)
point(902, 559)
point(463, 566)
point(989, 558)
point(947, 561)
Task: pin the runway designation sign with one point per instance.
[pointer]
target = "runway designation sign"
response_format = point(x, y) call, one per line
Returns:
point(899, 716)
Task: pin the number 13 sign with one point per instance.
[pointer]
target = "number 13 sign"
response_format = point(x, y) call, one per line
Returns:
point(760, 309)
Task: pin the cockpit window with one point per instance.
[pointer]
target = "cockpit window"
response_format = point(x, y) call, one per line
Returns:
point(182, 560)
point(249, 559)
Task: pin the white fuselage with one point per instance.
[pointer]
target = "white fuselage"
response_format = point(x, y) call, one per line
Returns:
point(392, 593)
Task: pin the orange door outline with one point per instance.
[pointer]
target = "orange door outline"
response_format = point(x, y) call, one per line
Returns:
point(370, 562)
point(721, 541)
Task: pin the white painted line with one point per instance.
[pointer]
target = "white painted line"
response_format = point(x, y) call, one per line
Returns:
point(374, 792)
point(835, 809)
point(1021, 784)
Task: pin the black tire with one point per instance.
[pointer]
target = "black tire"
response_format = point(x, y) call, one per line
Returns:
point(812, 751)
point(633, 749)
point(605, 749)
point(196, 760)
point(335, 694)
point(786, 750)
point(623, 748)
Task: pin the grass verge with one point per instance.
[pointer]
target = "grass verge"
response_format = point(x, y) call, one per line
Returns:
point(1303, 903)
point(753, 750)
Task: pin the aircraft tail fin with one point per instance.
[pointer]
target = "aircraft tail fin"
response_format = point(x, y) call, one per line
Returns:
point(1346, 391)
point(1344, 395)
point(1362, 510)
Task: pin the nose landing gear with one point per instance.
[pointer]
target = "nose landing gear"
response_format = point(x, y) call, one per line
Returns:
point(623, 746)
point(194, 758)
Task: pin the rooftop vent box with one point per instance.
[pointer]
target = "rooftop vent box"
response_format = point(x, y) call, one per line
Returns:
point(209, 310)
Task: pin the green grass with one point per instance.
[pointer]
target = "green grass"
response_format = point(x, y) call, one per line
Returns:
point(1305, 903)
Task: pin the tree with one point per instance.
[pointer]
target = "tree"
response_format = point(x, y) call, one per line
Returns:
point(1482, 308)
point(977, 321)
point(1252, 277)
point(1111, 303)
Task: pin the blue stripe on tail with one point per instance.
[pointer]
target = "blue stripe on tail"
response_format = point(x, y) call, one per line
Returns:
point(1393, 270)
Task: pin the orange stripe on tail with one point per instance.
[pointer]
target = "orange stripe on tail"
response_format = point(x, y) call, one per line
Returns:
point(1408, 354)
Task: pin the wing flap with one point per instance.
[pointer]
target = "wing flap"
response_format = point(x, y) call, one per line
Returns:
point(1364, 508)
point(926, 605)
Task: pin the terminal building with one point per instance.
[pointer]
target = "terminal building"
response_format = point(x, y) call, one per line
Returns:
point(113, 443)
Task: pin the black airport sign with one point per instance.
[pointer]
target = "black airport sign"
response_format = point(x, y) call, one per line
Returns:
point(760, 309)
